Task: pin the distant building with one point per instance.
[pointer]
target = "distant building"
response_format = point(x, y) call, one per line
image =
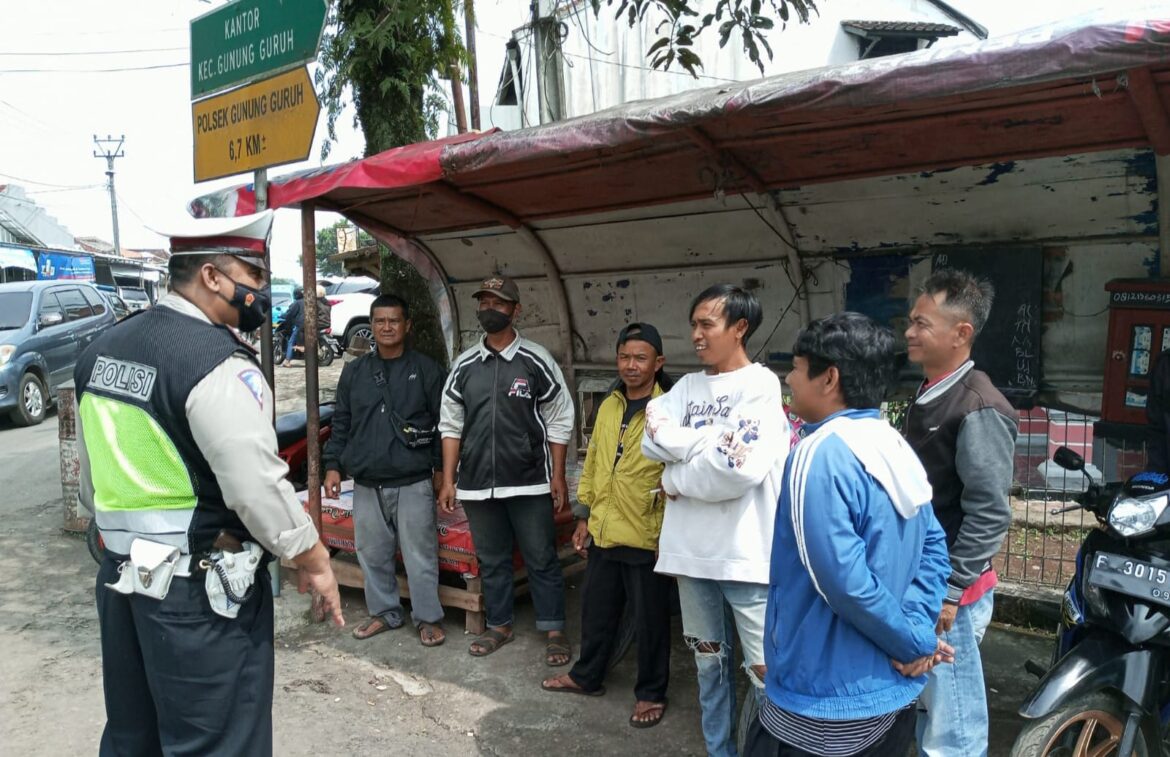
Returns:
point(23, 221)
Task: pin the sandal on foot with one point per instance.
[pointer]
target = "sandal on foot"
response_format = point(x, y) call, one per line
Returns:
point(488, 642)
point(431, 634)
point(558, 646)
point(655, 707)
point(373, 627)
point(573, 688)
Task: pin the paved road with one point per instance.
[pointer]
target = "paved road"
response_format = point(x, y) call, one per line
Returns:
point(335, 695)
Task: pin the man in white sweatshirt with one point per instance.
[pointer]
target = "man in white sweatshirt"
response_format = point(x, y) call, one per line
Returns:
point(723, 436)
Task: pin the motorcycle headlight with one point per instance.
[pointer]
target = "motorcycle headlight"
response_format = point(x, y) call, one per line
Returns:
point(1133, 517)
point(6, 351)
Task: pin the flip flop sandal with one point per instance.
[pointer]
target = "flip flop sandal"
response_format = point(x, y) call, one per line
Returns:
point(489, 641)
point(436, 637)
point(659, 707)
point(599, 691)
point(558, 647)
point(363, 631)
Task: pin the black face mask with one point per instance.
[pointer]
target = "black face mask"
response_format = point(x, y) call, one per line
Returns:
point(252, 304)
point(493, 321)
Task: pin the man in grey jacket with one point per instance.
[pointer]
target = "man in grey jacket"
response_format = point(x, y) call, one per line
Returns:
point(964, 432)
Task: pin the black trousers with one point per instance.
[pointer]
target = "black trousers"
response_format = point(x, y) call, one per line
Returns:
point(896, 742)
point(181, 680)
point(498, 526)
point(614, 577)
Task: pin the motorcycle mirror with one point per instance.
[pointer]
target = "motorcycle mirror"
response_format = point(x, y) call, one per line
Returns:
point(1067, 459)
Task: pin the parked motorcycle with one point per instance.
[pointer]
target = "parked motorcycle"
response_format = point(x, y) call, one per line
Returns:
point(1107, 691)
point(328, 347)
point(292, 447)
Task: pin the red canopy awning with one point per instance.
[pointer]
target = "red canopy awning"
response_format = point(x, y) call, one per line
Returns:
point(1076, 87)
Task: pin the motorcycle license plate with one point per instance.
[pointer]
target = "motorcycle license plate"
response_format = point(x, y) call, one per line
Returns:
point(1136, 578)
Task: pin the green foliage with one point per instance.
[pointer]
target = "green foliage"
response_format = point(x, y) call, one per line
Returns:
point(385, 56)
point(750, 18)
point(327, 246)
point(402, 279)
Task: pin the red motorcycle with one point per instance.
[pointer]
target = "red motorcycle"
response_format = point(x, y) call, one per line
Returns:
point(292, 447)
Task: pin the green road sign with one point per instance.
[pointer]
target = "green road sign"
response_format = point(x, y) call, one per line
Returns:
point(247, 39)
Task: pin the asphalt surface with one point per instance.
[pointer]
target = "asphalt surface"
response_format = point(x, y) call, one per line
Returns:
point(333, 694)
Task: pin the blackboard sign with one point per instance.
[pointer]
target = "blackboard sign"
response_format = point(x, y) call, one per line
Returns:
point(1008, 349)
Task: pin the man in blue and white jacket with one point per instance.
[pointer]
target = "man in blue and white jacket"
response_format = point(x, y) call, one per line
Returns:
point(859, 561)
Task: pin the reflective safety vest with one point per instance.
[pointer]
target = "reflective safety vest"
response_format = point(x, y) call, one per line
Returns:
point(149, 477)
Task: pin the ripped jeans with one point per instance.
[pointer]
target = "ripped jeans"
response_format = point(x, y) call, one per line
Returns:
point(712, 612)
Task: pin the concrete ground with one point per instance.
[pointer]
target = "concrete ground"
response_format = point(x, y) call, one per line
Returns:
point(333, 694)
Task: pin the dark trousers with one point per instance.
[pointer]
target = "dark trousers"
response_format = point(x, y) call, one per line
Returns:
point(895, 743)
point(181, 680)
point(497, 527)
point(611, 583)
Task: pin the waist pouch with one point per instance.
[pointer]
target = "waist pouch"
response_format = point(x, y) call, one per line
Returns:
point(231, 578)
point(414, 436)
point(150, 569)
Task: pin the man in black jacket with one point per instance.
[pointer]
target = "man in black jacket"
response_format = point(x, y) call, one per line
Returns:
point(964, 432)
point(1158, 415)
point(506, 422)
point(384, 437)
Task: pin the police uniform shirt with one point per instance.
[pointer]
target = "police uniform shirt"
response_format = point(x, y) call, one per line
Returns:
point(230, 415)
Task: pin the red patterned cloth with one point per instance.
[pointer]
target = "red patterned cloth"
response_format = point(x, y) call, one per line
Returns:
point(454, 533)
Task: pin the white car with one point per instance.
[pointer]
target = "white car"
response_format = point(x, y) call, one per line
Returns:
point(351, 298)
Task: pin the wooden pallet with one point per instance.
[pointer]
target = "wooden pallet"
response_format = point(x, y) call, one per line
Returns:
point(469, 599)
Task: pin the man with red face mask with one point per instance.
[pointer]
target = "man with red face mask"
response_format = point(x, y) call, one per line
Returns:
point(506, 420)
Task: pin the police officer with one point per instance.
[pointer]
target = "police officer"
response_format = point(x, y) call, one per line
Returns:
point(179, 465)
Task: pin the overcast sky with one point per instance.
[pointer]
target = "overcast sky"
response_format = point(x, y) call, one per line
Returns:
point(70, 69)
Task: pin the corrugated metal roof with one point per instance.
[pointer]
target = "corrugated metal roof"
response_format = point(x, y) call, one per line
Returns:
point(908, 28)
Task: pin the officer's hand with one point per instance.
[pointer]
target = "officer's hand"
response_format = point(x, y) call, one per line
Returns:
point(332, 484)
point(580, 534)
point(560, 492)
point(437, 482)
point(446, 498)
point(316, 574)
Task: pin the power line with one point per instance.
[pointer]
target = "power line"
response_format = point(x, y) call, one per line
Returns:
point(64, 189)
point(630, 65)
point(99, 52)
point(91, 70)
point(42, 183)
point(96, 32)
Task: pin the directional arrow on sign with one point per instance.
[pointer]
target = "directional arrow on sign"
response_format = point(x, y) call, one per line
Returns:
point(248, 39)
point(265, 124)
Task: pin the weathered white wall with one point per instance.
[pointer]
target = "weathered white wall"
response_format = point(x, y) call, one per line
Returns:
point(1094, 215)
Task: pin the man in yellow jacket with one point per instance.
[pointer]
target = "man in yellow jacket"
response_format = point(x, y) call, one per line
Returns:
point(622, 490)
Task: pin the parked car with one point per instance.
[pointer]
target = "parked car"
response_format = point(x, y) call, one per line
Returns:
point(136, 299)
point(351, 298)
point(117, 304)
point(44, 326)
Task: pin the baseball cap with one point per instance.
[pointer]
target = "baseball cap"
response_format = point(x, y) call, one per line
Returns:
point(244, 237)
point(501, 286)
point(642, 332)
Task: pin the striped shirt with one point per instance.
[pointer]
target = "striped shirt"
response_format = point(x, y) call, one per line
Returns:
point(827, 738)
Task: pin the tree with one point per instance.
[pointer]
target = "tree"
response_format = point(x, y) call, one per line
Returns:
point(748, 19)
point(385, 55)
point(398, 277)
point(327, 247)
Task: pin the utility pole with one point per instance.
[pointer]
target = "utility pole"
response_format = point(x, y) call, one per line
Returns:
point(110, 149)
point(472, 66)
point(547, 52)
